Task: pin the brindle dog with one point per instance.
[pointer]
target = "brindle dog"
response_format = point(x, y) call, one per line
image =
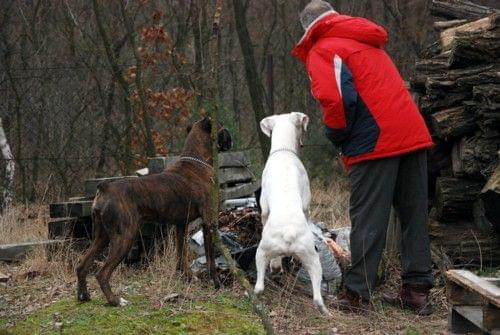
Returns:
point(176, 196)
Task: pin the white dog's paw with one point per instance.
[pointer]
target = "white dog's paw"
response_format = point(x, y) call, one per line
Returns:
point(258, 289)
point(322, 308)
point(123, 302)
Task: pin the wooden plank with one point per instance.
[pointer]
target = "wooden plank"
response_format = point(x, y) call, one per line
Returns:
point(226, 159)
point(16, 252)
point(240, 191)
point(235, 175)
point(71, 209)
point(441, 25)
point(233, 159)
point(491, 317)
point(469, 280)
point(472, 314)
point(90, 185)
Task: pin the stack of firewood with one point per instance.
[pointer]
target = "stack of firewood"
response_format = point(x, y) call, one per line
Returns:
point(458, 89)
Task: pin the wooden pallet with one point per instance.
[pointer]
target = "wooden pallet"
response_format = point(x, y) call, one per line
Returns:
point(474, 303)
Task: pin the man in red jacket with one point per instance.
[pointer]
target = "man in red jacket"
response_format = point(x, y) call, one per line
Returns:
point(370, 116)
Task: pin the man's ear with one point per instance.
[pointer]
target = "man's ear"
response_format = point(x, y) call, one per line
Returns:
point(267, 125)
point(301, 120)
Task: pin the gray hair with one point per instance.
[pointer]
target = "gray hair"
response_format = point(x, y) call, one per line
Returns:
point(312, 11)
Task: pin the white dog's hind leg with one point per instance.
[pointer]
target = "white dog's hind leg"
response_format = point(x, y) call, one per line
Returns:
point(261, 261)
point(310, 260)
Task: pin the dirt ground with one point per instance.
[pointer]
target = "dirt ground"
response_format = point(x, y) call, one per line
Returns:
point(39, 297)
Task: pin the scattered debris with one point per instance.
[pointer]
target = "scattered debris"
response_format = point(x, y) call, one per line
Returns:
point(4, 278)
point(241, 231)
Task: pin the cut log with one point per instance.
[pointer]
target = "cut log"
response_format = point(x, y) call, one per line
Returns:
point(479, 26)
point(475, 48)
point(490, 198)
point(442, 25)
point(455, 198)
point(474, 157)
point(460, 9)
point(453, 123)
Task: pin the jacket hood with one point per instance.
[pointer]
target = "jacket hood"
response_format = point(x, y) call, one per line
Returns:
point(332, 24)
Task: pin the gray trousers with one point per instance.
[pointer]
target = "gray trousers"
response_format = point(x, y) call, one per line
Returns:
point(376, 185)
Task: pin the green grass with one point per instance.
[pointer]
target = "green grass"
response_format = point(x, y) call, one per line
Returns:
point(222, 315)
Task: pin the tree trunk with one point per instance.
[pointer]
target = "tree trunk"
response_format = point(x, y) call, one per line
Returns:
point(252, 77)
point(10, 167)
point(214, 222)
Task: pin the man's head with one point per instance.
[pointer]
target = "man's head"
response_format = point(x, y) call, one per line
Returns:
point(313, 10)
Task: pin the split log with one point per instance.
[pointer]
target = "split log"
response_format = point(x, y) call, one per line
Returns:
point(460, 9)
point(441, 25)
point(474, 157)
point(479, 26)
point(452, 123)
point(454, 198)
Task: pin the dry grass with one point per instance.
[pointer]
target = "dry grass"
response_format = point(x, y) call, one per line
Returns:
point(24, 223)
point(38, 282)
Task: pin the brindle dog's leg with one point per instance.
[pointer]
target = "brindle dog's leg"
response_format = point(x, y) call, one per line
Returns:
point(209, 247)
point(120, 246)
point(182, 254)
point(98, 243)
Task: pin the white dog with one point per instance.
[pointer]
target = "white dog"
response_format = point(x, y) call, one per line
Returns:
point(285, 201)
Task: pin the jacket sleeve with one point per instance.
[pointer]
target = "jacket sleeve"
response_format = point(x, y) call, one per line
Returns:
point(325, 72)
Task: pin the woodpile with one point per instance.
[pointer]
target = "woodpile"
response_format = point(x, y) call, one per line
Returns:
point(244, 223)
point(457, 85)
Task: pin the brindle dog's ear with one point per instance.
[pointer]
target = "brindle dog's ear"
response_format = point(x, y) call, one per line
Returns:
point(206, 124)
point(225, 142)
point(188, 128)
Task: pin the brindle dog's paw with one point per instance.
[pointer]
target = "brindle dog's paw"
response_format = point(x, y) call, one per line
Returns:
point(83, 296)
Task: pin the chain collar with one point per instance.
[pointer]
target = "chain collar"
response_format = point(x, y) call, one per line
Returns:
point(197, 160)
point(283, 149)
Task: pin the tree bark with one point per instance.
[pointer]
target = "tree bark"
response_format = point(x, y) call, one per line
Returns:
point(258, 308)
point(252, 77)
point(10, 167)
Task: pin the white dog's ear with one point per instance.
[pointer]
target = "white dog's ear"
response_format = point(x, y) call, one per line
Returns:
point(301, 120)
point(267, 125)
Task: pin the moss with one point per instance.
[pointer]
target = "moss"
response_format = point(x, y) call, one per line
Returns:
point(223, 315)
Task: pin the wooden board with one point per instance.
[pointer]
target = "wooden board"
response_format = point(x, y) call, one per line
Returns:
point(90, 185)
point(226, 160)
point(61, 228)
point(235, 175)
point(71, 209)
point(240, 191)
point(470, 281)
point(17, 251)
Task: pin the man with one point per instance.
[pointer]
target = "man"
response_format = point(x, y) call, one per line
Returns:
point(369, 114)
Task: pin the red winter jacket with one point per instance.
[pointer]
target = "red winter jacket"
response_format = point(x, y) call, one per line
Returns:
point(367, 109)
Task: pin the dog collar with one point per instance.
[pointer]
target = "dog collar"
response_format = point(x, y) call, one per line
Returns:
point(283, 149)
point(197, 160)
